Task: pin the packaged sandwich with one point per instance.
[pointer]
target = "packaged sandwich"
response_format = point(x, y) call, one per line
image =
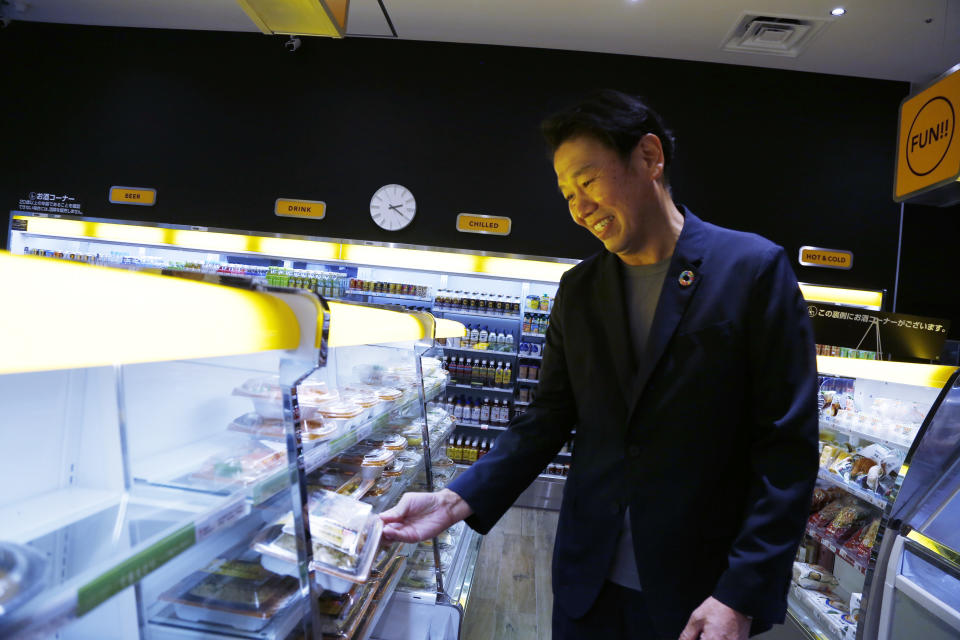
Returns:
point(813, 576)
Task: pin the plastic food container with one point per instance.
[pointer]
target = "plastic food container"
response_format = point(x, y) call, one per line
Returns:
point(336, 571)
point(266, 395)
point(239, 594)
point(254, 424)
point(244, 466)
point(359, 456)
point(394, 442)
point(21, 576)
point(316, 392)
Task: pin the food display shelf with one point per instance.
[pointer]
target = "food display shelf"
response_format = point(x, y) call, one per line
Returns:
point(441, 441)
point(834, 548)
point(480, 314)
point(820, 624)
point(866, 496)
point(324, 452)
point(528, 334)
point(484, 351)
point(552, 476)
point(398, 296)
point(166, 625)
point(477, 388)
point(481, 426)
point(383, 594)
point(182, 520)
point(833, 425)
point(458, 580)
point(528, 381)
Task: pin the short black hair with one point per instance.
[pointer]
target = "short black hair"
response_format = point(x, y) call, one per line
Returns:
point(616, 119)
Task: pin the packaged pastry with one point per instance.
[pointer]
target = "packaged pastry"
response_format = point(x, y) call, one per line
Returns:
point(819, 500)
point(847, 521)
point(842, 464)
point(237, 593)
point(860, 466)
point(813, 576)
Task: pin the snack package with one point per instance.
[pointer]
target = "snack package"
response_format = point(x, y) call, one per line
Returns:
point(237, 593)
point(861, 543)
point(827, 455)
point(826, 515)
point(847, 521)
point(842, 465)
point(813, 576)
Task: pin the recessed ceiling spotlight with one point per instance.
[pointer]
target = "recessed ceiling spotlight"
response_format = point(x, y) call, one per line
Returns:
point(839, 11)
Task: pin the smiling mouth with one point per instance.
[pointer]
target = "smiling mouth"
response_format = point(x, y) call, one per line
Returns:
point(600, 226)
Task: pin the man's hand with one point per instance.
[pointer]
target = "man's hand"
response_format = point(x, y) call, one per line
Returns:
point(714, 620)
point(421, 516)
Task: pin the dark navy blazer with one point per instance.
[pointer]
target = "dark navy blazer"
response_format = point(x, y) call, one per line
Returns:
point(712, 441)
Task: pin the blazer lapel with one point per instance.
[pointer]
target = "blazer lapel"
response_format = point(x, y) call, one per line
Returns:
point(679, 286)
point(612, 310)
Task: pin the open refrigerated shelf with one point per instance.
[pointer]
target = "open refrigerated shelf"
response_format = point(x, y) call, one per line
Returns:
point(483, 351)
point(868, 497)
point(833, 425)
point(455, 385)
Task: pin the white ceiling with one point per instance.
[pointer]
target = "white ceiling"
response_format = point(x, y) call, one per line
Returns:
point(911, 40)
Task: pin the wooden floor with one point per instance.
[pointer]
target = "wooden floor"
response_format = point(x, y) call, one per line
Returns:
point(511, 597)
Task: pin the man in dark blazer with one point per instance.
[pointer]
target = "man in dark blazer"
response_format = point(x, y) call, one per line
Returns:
point(683, 357)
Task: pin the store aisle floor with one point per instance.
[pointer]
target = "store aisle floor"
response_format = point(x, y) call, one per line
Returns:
point(511, 597)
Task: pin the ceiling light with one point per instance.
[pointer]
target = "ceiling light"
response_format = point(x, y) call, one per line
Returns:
point(839, 11)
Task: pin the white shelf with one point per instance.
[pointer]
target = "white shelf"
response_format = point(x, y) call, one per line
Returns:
point(30, 519)
point(485, 351)
point(470, 386)
point(527, 334)
point(866, 496)
point(483, 427)
point(399, 296)
point(521, 404)
point(480, 314)
point(527, 356)
point(528, 381)
point(833, 425)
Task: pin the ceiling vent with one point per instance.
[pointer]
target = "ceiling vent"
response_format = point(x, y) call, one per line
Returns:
point(773, 35)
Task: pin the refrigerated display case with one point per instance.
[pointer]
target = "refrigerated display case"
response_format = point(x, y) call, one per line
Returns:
point(185, 459)
point(915, 590)
point(873, 417)
point(450, 284)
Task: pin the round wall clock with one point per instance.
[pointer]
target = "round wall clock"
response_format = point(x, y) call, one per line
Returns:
point(393, 207)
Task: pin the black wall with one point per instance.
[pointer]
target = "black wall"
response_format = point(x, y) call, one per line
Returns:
point(222, 124)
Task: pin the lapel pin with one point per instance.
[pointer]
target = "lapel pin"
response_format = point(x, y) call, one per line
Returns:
point(687, 278)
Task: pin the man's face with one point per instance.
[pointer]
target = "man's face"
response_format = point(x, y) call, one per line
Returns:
point(606, 195)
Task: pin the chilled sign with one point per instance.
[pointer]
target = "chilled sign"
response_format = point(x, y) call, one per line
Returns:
point(474, 223)
point(830, 258)
point(139, 196)
point(314, 209)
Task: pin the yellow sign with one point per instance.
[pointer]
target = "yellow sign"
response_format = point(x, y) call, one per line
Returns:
point(830, 258)
point(493, 225)
point(313, 209)
point(928, 152)
point(133, 195)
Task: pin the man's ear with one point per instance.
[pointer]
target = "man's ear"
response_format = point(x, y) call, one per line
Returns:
point(648, 155)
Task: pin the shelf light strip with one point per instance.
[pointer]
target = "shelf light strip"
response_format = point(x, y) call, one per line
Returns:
point(428, 260)
point(924, 375)
point(837, 295)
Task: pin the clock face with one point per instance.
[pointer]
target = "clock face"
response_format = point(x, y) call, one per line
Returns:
point(392, 207)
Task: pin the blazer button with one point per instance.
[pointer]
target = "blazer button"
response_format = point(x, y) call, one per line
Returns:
point(633, 450)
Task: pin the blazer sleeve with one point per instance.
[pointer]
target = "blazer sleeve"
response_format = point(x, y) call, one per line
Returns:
point(783, 438)
point(493, 483)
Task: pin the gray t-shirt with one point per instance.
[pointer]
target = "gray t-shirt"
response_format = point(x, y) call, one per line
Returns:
point(642, 285)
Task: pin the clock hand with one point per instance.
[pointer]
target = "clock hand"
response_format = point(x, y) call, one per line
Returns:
point(395, 207)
